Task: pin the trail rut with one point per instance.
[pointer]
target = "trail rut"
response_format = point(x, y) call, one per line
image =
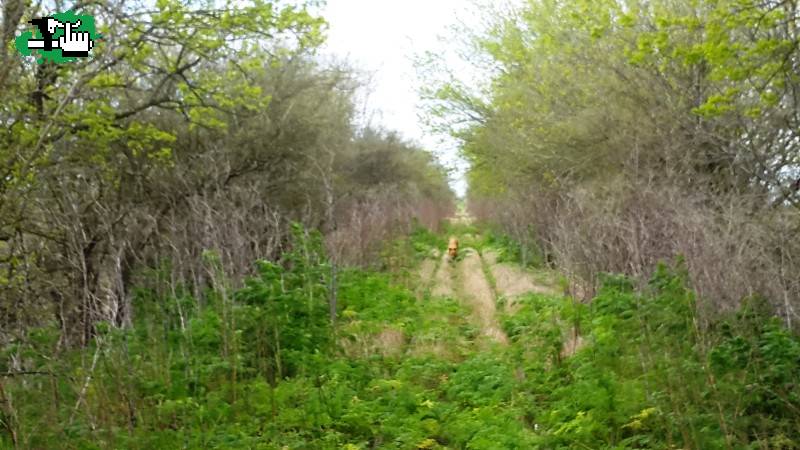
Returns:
point(443, 279)
point(477, 292)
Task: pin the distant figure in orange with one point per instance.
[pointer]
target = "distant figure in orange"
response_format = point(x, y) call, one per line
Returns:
point(452, 248)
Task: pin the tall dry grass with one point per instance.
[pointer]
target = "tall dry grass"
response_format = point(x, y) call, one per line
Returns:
point(734, 247)
point(365, 225)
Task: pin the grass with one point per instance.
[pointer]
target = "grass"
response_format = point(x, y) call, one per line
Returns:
point(640, 381)
point(487, 272)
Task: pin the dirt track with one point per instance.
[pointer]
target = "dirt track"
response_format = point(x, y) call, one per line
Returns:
point(443, 278)
point(477, 293)
point(466, 281)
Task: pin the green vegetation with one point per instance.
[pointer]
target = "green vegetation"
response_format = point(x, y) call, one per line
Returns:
point(609, 135)
point(646, 377)
point(262, 367)
point(163, 284)
point(511, 250)
point(193, 128)
point(423, 241)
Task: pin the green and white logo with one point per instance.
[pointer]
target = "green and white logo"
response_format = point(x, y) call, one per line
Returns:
point(60, 38)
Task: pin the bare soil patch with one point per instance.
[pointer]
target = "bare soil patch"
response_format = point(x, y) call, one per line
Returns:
point(490, 257)
point(388, 342)
point(512, 281)
point(443, 279)
point(477, 292)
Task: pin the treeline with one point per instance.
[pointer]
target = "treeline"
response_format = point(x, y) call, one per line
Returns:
point(617, 133)
point(179, 154)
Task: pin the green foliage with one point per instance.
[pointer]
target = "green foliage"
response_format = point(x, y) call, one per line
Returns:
point(644, 377)
point(424, 240)
point(581, 93)
point(285, 317)
point(513, 251)
point(263, 367)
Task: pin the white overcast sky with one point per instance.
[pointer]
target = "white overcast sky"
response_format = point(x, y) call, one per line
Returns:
point(381, 37)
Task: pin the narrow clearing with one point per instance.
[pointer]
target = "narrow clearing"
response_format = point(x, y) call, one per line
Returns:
point(465, 280)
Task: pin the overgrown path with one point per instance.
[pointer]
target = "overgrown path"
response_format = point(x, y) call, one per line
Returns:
point(478, 281)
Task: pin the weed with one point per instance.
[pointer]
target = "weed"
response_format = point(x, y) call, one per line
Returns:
point(271, 371)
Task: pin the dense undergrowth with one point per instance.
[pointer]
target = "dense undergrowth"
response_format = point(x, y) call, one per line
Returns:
point(264, 367)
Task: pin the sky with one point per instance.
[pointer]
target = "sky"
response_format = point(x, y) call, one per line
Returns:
point(381, 37)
